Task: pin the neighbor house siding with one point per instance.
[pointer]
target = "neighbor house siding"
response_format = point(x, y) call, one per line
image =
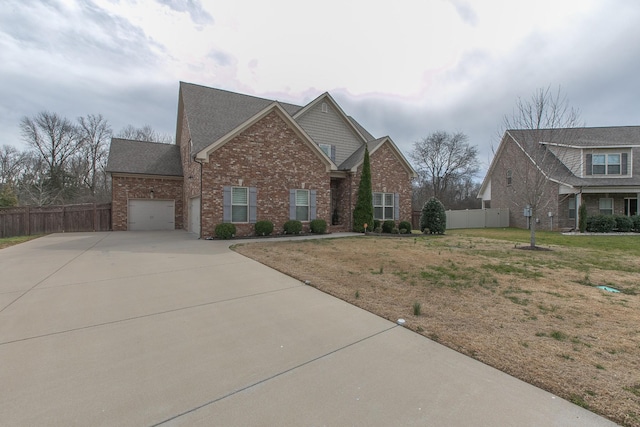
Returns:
point(562, 216)
point(330, 128)
point(513, 197)
point(125, 187)
point(270, 157)
point(570, 157)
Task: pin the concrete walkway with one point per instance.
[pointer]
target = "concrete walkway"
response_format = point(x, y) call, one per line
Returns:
point(144, 329)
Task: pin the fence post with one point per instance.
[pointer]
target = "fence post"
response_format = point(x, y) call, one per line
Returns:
point(28, 220)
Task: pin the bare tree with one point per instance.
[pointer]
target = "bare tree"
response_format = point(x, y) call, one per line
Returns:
point(545, 117)
point(94, 133)
point(12, 164)
point(443, 162)
point(33, 185)
point(145, 133)
point(55, 139)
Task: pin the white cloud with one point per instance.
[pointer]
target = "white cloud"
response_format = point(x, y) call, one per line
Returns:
point(404, 69)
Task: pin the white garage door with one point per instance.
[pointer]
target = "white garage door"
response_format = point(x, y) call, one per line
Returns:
point(194, 215)
point(148, 214)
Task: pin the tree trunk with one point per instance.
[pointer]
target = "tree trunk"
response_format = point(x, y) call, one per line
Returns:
point(532, 226)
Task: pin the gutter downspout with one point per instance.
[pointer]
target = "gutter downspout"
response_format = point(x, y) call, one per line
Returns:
point(350, 202)
point(200, 232)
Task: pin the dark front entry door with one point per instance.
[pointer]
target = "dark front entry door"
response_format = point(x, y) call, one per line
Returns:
point(630, 207)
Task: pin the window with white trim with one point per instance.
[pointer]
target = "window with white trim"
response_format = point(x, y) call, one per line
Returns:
point(302, 205)
point(383, 206)
point(239, 204)
point(606, 206)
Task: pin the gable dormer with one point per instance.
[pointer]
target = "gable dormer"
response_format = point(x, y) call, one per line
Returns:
point(325, 122)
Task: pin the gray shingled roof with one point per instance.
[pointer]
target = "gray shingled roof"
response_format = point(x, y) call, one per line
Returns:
point(586, 137)
point(358, 156)
point(578, 137)
point(141, 157)
point(212, 113)
point(362, 130)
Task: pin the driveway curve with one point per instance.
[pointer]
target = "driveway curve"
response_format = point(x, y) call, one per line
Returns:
point(160, 328)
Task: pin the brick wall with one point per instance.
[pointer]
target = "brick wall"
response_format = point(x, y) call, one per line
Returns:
point(190, 169)
point(125, 187)
point(389, 176)
point(271, 157)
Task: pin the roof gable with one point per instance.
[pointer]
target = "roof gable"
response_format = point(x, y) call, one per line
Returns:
point(326, 123)
point(356, 159)
point(142, 157)
point(204, 153)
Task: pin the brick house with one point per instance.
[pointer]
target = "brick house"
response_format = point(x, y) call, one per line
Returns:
point(243, 159)
point(558, 169)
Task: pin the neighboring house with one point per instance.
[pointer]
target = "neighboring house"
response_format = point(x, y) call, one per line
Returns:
point(562, 168)
point(243, 159)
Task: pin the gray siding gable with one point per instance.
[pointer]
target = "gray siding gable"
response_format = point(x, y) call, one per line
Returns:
point(330, 128)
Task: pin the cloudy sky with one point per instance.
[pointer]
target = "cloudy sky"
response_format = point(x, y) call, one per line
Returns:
point(405, 68)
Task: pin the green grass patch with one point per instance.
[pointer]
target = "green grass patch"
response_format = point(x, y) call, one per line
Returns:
point(576, 399)
point(635, 389)
point(559, 336)
point(5, 242)
point(626, 243)
point(517, 300)
point(450, 275)
point(511, 269)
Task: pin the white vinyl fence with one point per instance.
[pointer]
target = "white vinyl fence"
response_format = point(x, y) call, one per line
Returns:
point(478, 218)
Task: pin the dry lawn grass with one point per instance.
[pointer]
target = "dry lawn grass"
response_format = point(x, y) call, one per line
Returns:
point(533, 314)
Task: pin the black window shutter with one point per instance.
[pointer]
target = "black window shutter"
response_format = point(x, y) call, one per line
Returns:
point(589, 165)
point(624, 167)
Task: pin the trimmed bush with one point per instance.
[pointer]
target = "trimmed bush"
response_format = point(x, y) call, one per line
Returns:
point(264, 228)
point(601, 223)
point(624, 224)
point(377, 224)
point(292, 227)
point(388, 226)
point(636, 222)
point(582, 218)
point(225, 230)
point(405, 225)
point(318, 226)
point(433, 217)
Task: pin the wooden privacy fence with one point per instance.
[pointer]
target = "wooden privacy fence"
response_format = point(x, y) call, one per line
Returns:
point(471, 218)
point(28, 220)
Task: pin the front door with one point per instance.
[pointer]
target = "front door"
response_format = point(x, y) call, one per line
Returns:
point(630, 207)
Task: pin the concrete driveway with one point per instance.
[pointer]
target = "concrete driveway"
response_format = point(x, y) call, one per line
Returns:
point(159, 328)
